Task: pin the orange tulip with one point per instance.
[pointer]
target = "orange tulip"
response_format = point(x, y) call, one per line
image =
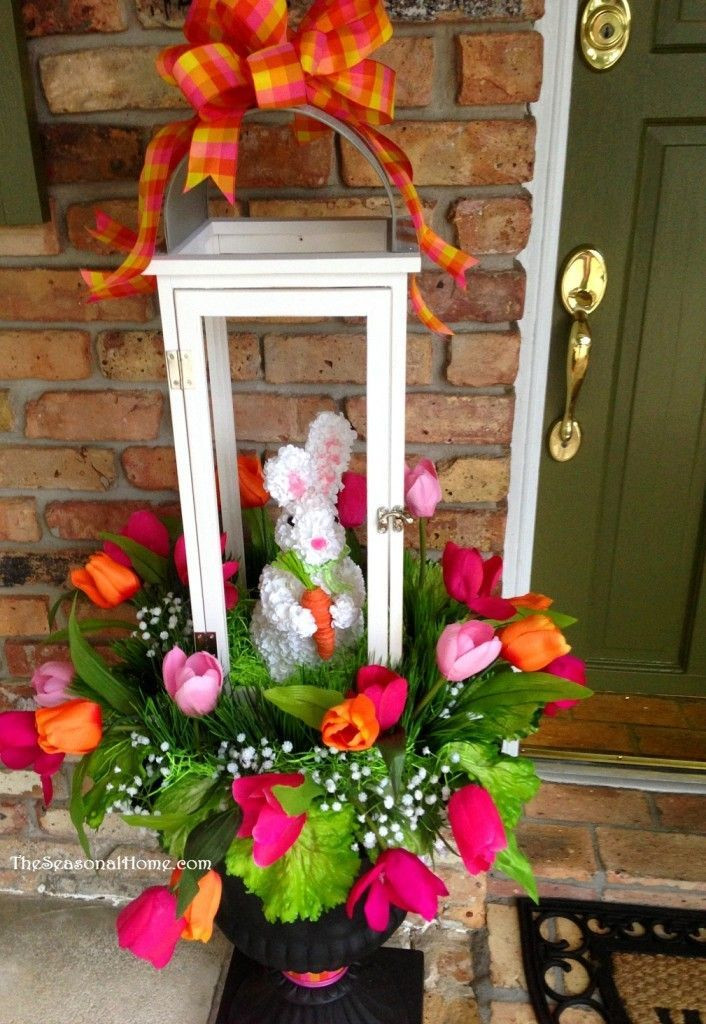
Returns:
point(351, 725)
point(537, 602)
point(252, 482)
point(75, 727)
point(105, 581)
point(200, 913)
point(532, 643)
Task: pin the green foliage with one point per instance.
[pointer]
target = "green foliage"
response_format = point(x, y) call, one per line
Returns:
point(308, 703)
point(295, 800)
point(150, 567)
point(209, 841)
point(314, 876)
point(393, 748)
point(511, 781)
point(513, 863)
point(60, 636)
point(194, 797)
point(108, 689)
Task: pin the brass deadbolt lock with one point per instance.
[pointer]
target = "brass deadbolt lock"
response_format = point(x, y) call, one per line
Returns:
point(605, 32)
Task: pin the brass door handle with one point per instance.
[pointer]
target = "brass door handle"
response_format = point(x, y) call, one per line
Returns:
point(583, 285)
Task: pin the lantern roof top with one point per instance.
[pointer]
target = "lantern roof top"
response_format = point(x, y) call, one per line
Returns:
point(231, 246)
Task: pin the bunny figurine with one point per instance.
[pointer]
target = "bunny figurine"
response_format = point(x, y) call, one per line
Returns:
point(312, 595)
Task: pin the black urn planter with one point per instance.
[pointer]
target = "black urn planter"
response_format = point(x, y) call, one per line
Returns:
point(331, 971)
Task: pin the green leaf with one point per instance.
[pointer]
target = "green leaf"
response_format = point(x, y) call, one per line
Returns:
point(77, 811)
point(88, 626)
point(290, 562)
point(208, 842)
point(174, 526)
point(539, 688)
point(193, 797)
point(308, 703)
point(296, 800)
point(314, 876)
point(513, 863)
point(151, 567)
point(187, 888)
point(510, 704)
point(54, 610)
point(158, 822)
point(511, 781)
point(558, 618)
point(393, 748)
point(211, 838)
point(95, 673)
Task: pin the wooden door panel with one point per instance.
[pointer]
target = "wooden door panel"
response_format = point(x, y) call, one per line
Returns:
point(643, 593)
point(681, 24)
point(621, 529)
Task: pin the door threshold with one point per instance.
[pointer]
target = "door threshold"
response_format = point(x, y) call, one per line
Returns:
point(620, 771)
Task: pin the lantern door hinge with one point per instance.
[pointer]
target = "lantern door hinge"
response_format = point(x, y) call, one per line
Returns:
point(179, 370)
point(398, 516)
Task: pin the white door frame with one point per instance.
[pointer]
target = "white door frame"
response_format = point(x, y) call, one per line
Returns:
point(558, 27)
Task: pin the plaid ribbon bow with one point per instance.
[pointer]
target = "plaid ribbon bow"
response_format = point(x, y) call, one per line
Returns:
point(239, 55)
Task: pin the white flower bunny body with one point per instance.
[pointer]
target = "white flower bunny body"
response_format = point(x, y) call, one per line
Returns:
point(305, 483)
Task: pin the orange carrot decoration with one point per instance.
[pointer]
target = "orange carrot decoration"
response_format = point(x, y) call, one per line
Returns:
point(319, 604)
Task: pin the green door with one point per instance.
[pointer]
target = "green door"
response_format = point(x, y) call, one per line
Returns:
point(621, 528)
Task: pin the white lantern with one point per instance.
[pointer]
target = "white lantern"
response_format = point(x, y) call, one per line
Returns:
point(248, 268)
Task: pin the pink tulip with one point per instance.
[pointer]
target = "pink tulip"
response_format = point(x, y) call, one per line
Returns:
point(144, 528)
point(471, 580)
point(194, 683)
point(398, 879)
point(273, 831)
point(353, 500)
point(477, 828)
point(386, 690)
point(51, 681)
point(422, 490)
point(19, 748)
point(466, 648)
point(230, 569)
point(566, 667)
point(149, 927)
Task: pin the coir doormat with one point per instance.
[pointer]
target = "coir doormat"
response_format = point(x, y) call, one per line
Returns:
point(619, 963)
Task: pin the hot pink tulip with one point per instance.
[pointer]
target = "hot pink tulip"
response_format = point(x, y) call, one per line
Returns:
point(386, 690)
point(566, 667)
point(353, 500)
point(398, 879)
point(273, 831)
point(149, 927)
point(194, 683)
point(465, 649)
point(422, 490)
point(19, 748)
point(144, 528)
point(51, 681)
point(230, 569)
point(477, 828)
point(471, 580)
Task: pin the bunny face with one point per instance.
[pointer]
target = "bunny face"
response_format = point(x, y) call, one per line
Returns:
point(298, 475)
point(311, 529)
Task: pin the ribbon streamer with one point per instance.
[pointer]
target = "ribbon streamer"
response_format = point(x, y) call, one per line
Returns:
point(239, 55)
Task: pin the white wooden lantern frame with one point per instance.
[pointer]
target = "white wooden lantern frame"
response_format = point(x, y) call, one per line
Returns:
point(249, 268)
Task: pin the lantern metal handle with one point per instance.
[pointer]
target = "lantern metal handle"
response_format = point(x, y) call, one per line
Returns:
point(185, 212)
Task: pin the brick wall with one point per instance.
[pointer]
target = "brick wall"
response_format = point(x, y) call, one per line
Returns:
point(83, 409)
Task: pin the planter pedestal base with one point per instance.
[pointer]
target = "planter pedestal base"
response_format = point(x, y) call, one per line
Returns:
point(386, 988)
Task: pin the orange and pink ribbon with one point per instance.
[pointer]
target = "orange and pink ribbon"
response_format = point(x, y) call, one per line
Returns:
point(241, 55)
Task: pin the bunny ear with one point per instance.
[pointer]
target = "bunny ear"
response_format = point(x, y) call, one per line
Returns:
point(289, 475)
point(329, 444)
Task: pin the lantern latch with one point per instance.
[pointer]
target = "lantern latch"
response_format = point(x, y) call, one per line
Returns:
point(397, 516)
point(179, 370)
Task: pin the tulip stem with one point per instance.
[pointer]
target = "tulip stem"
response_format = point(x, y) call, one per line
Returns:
point(425, 701)
point(422, 550)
